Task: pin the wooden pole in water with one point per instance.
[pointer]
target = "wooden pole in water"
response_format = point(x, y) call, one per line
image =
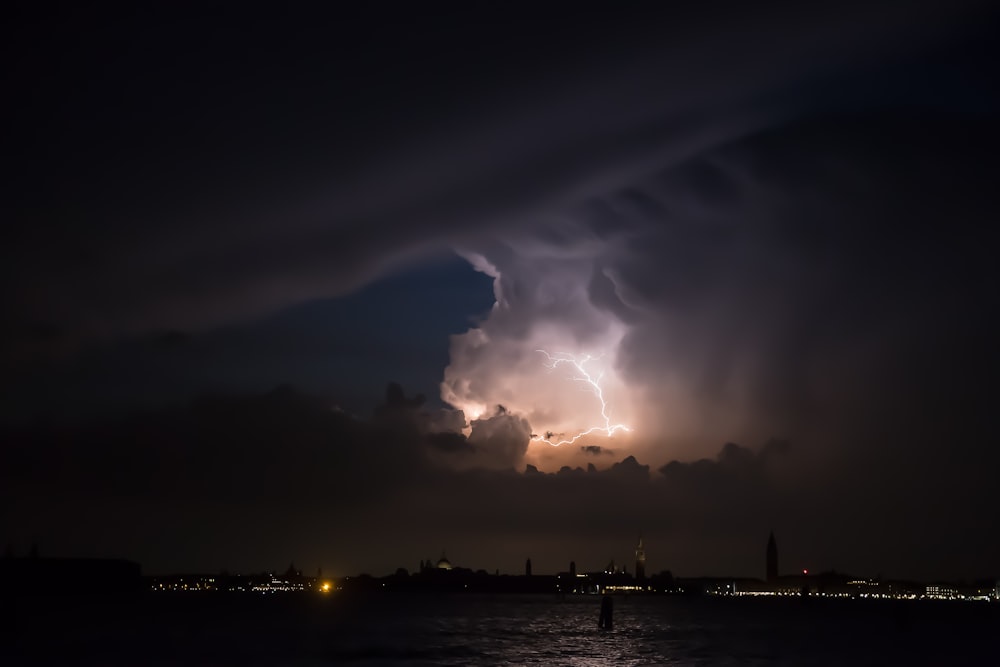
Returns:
point(605, 620)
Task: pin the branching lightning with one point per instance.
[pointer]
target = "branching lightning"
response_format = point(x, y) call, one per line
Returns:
point(594, 384)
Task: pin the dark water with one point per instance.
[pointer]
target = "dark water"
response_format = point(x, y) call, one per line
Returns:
point(203, 629)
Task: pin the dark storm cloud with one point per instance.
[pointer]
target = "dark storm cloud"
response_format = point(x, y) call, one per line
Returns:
point(788, 211)
point(254, 189)
point(861, 257)
point(286, 468)
point(733, 459)
point(282, 476)
point(222, 463)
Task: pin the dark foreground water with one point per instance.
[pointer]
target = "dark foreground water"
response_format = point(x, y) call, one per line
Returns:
point(400, 629)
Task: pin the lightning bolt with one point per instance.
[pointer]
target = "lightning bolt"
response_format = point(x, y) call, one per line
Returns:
point(609, 429)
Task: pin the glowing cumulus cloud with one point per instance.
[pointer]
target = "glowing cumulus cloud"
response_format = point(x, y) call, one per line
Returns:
point(594, 386)
point(544, 353)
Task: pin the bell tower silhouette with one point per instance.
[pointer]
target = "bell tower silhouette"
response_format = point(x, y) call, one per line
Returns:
point(772, 559)
point(640, 561)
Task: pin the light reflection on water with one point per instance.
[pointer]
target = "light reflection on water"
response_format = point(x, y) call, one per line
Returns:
point(400, 629)
point(669, 631)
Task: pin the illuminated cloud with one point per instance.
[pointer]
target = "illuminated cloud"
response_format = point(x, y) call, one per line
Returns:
point(541, 305)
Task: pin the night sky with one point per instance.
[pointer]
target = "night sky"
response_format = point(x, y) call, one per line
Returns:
point(287, 285)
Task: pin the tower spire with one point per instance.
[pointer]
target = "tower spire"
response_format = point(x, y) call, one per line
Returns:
point(640, 561)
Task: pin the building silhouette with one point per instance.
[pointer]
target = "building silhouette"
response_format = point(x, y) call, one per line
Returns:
point(640, 561)
point(772, 559)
